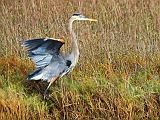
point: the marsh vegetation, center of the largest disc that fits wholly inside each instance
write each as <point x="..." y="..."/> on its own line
<point x="118" y="74"/>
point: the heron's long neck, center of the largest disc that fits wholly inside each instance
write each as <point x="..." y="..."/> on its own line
<point x="74" y="45"/>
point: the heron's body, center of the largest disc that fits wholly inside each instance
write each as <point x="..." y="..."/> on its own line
<point x="51" y="64"/>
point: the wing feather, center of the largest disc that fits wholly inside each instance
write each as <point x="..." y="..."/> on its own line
<point x="42" y="50"/>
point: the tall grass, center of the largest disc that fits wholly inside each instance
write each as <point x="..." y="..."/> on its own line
<point x="118" y="74"/>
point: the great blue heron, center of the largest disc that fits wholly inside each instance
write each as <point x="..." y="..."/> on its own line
<point x="50" y="63"/>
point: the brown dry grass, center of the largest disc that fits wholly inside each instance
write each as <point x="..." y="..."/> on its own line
<point x="117" y="77"/>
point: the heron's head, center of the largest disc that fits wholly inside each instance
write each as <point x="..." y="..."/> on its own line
<point x="78" y="16"/>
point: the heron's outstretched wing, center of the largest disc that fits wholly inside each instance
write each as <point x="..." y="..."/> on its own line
<point x="43" y="50"/>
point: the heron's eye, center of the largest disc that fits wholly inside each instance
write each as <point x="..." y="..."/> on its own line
<point x="81" y="16"/>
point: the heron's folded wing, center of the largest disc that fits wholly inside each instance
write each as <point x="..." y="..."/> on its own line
<point x="43" y="50"/>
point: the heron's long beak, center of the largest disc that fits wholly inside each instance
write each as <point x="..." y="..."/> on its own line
<point x="94" y="20"/>
<point x="89" y="19"/>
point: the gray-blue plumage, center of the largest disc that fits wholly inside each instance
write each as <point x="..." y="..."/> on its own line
<point x="45" y="52"/>
<point x="49" y="61"/>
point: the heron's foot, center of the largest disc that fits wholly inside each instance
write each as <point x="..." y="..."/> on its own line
<point x="46" y="95"/>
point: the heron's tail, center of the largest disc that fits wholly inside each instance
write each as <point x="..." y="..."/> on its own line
<point x="36" y="75"/>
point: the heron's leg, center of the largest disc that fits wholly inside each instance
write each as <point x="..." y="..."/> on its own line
<point x="51" y="81"/>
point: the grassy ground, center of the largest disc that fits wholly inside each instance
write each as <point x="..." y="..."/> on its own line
<point x="118" y="74"/>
